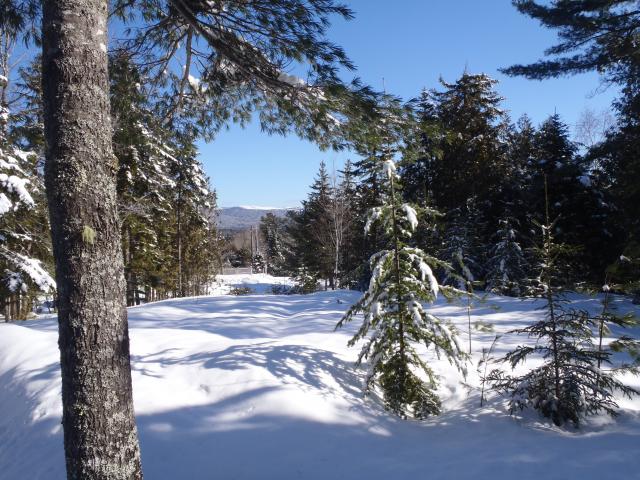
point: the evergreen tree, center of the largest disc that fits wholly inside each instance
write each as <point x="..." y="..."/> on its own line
<point x="234" y="61"/>
<point x="258" y="264"/>
<point x="598" y="35"/>
<point x="420" y="162"/>
<point x="191" y="202"/>
<point x="507" y="265"/>
<point x="394" y="316"/>
<point x="320" y="259"/>
<point x="570" y="383"/>
<point x="582" y="220"/>
<point x="616" y="165"/>
<point x="426" y="142"/>
<point x="512" y="197"/>
<point x="25" y="255"/>
<point x="348" y="257"/>
<point x="463" y="248"/>
<point x="143" y="180"/>
<point x="474" y="142"/>
<point x="273" y="231"/>
<point x="310" y="231"/>
<point x="368" y="134"/>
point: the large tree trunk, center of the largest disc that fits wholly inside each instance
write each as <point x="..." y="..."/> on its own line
<point x="100" y="436"/>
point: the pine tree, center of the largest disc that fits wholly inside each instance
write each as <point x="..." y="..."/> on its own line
<point x="570" y="383"/>
<point x="234" y="61"/>
<point x="258" y="264"/>
<point x="425" y="146"/>
<point x="595" y="35"/>
<point x="512" y="197"/>
<point x="418" y="169"/>
<point x="191" y="204"/>
<point x="599" y="36"/>
<point x="143" y="179"/>
<point x="318" y="206"/>
<point x="394" y="316"/>
<point x="311" y="231"/>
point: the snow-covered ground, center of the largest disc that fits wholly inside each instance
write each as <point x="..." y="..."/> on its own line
<point x="257" y="283"/>
<point x="261" y="387"/>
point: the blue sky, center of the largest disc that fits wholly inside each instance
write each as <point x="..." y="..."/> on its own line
<point x="411" y="43"/>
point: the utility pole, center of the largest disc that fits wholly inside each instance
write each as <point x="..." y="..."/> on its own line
<point x="251" y="241"/>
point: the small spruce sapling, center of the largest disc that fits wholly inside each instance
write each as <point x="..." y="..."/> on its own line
<point x="483" y="365"/>
<point x="569" y="384"/>
<point x="395" y="318"/>
<point x="607" y="318"/>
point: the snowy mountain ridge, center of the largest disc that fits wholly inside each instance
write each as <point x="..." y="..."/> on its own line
<point x="244" y="217"/>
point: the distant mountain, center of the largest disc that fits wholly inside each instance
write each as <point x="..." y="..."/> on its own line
<point x="242" y="218"/>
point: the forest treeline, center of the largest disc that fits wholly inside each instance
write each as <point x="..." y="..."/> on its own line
<point x="462" y="155"/>
<point x="166" y="204"/>
<point x="459" y="153"/>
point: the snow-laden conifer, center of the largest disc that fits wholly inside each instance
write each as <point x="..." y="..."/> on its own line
<point x="394" y="311"/>
<point x="20" y="270"/>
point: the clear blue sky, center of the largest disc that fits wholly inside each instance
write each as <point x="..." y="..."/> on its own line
<point x="411" y="43"/>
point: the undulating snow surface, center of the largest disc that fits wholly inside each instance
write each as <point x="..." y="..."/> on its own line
<point x="261" y="387"/>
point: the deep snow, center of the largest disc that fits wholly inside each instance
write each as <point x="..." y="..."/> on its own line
<point x="261" y="387"/>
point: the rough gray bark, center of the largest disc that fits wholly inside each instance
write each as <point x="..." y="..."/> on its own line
<point x="100" y="436"/>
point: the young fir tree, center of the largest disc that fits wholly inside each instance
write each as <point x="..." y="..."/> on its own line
<point x="368" y="135"/>
<point x="394" y="316"/>
<point x="570" y="383"/>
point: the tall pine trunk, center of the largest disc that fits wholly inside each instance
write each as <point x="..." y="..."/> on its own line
<point x="100" y="436"/>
